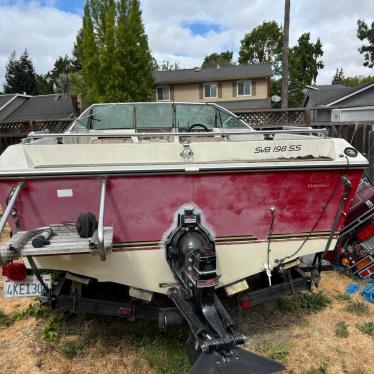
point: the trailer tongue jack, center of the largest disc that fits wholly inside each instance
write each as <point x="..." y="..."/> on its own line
<point x="212" y="346"/>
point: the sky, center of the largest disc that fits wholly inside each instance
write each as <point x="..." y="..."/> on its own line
<point x="186" y="31"/>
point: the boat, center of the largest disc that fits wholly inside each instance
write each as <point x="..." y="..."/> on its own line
<point x="179" y="202"/>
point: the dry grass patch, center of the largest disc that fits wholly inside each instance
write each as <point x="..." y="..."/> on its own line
<point x="305" y="342"/>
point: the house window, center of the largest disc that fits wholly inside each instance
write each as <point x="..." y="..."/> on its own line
<point x="163" y="93"/>
<point x="244" y="88"/>
<point x="210" y="90"/>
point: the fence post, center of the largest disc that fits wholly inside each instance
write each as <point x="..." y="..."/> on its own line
<point x="307" y="116"/>
<point x="370" y="155"/>
<point x="31" y="126"/>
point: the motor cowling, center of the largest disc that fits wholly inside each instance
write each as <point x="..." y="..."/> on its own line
<point x="190" y="252"/>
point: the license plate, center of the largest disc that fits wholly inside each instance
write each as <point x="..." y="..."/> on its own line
<point x="30" y="287"/>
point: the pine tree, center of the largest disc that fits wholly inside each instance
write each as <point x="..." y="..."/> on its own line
<point x="121" y="92"/>
<point x="139" y="62"/>
<point x="338" y="78"/>
<point x="88" y="52"/>
<point x="44" y="84"/>
<point x="20" y="75"/>
<point x="108" y="47"/>
<point x="112" y="49"/>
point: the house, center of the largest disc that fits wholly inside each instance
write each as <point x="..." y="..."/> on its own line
<point x="237" y="88"/>
<point x="24" y="108"/>
<point x="338" y="103"/>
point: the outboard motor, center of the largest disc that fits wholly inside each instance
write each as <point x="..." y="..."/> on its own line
<point x="212" y="346"/>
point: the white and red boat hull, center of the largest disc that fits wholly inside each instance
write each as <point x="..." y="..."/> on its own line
<point x="236" y="207"/>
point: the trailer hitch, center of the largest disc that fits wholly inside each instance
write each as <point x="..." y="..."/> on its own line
<point x="213" y="344"/>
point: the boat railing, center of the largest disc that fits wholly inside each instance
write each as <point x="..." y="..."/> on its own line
<point x="103" y="134"/>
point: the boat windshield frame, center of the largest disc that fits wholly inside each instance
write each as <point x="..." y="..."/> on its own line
<point x="85" y="121"/>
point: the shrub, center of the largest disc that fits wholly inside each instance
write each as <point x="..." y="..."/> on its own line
<point x="341" y="329"/>
<point x="53" y="327"/>
<point x="366" y="328"/>
<point x="313" y="302"/>
<point x="71" y="348"/>
<point x="289" y="305"/>
<point x="356" y="307"/>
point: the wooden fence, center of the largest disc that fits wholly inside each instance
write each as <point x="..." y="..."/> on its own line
<point x="14" y="132"/>
<point x="263" y="118"/>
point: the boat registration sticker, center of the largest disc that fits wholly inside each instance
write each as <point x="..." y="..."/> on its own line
<point x="65" y="193"/>
<point x="30" y="287"/>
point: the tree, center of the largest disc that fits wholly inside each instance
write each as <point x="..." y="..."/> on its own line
<point x="139" y="61"/>
<point x="20" y="75"/>
<point x="60" y="75"/>
<point x="363" y="33"/>
<point x="88" y="52"/>
<point x="218" y="59"/>
<point x="263" y="44"/>
<point x="305" y="62"/>
<point x="338" y="78"/>
<point x="63" y="65"/>
<point x="44" y="84"/>
<point x="167" y="66"/>
<point x="112" y="50"/>
<point x="358" y="80"/>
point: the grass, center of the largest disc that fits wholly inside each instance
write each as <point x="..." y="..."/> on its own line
<point x="343" y="297"/>
<point x="277" y="352"/>
<point x="322" y="369"/>
<point x="52" y="329"/>
<point x="341" y="329"/>
<point x="5" y="320"/>
<point x="356" y="307"/>
<point x="313" y="302"/>
<point x="289" y="305"/>
<point x="33" y="310"/>
<point x="366" y="328"/>
<point x="162" y="349"/>
<point x="72" y="348"/>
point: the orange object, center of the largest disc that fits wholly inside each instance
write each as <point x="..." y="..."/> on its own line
<point x="345" y="262"/>
<point x="361" y="264"/>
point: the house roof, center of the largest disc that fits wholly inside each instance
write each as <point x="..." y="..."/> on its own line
<point x="4" y="99"/>
<point x="243" y="105"/>
<point x="44" y="107"/>
<point x="326" y="95"/>
<point x="212" y="74"/>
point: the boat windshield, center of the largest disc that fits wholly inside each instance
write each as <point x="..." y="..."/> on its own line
<point x="160" y="116"/>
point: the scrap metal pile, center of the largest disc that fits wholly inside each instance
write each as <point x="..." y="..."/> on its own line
<point x="355" y="248"/>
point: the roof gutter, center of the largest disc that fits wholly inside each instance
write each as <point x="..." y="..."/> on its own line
<point x="213" y="79"/>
